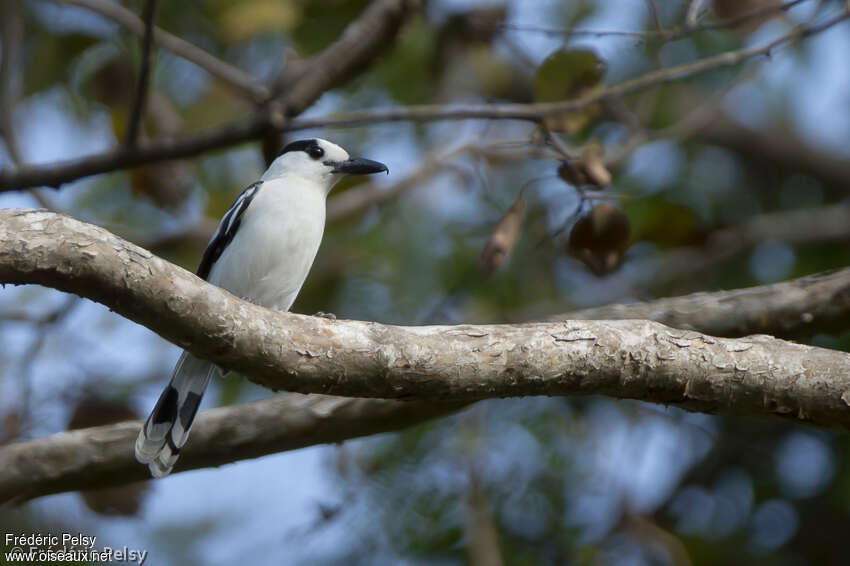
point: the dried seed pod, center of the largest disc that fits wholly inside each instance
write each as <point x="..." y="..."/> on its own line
<point x="572" y="173"/>
<point x="593" y="161"/>
<point x="599" y="238"/>
<point x="503" y="238"/>
<point x="589" y="169"/>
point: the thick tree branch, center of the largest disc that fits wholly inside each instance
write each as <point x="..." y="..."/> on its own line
<point x="629" y="359"/>
<point x="360" y="43"/>
<point x="818" y="303"/>
<point x="276" y="120"/>
<point x="103" y="456"/>
<point x="222" y="70"/>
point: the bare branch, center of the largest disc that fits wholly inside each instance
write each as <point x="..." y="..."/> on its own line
<point x="232" y="76"/>
<point x="360" y="198"/>
<point x="138" y="107"/>
<point x="265" y="122"/>
<point x="628" y="359"/>
<point x="347" y="58"/>
<point x="11" y="36"/>
<point x="818" y="303"/>
<point x="653" y="10"/>
<point x="779" y="148"/>
<point x="163" y="149"/>
<point x="103" y="456"/>
<point x="360" y="43"/>
<point x="537" y="111"/>
<point x="668" y="34"/>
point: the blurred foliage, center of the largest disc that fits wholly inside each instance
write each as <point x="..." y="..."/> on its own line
<point x="567" y="74"/>
<point x="577" y="481"/>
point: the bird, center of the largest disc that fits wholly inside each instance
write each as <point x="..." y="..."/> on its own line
<point x="262" y="252"/>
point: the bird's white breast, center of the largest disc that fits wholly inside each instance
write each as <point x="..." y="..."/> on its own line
<point x="274" y="248"/>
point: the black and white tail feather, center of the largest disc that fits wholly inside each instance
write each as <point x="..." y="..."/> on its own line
<point x="262" y="251"/>
<point x="167" y="428"/>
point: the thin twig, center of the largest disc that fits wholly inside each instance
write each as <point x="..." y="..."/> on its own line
<point x="138" y="108"/>
<point x="11" y="36"/>
<point x="560" y="146"/>
<point x="44" y="326"/>
<point x="668" y="34"/>
<point x="692" y="13"/>
<point x="653" y="10"/>
<point x="264" y="122"/>
<point x="232" y="76"/>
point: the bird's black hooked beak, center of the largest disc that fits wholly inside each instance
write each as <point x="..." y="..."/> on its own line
<point x="359" y="166"/>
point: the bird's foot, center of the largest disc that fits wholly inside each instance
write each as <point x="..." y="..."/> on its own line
<point x="327" y="315"/>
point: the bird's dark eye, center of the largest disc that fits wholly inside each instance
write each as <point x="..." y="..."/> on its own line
<point x="315" y="152"/>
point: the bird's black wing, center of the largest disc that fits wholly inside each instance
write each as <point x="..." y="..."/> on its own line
<point x="226" y="230"/>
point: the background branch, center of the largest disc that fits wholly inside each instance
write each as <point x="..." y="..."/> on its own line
<point x="666" y="34"/>
<point x="818" y="303"/>
<point x="138" y="107"/>
<point x="103" y="456"/>
<point x="779" y="150"/>
<point x="275" y="120"/>
<point x="797" y="227"/>
<point x="232" y="76"/>
<point x="361" y="42"/>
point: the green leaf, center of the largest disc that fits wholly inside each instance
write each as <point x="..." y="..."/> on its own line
<point x="567" y="74"/>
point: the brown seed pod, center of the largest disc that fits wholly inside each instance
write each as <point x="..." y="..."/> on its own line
<point x="503" y="238"/>
<point x="589" y="169"/>
<point x="599" y="238"/>
<point x="572" y="173"/>
<point x="593" y="160"/>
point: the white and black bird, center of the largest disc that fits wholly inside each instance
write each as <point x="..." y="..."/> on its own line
<point x="262" y="251"/>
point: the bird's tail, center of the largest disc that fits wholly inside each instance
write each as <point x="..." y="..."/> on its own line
<point x="167" y="428"/>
